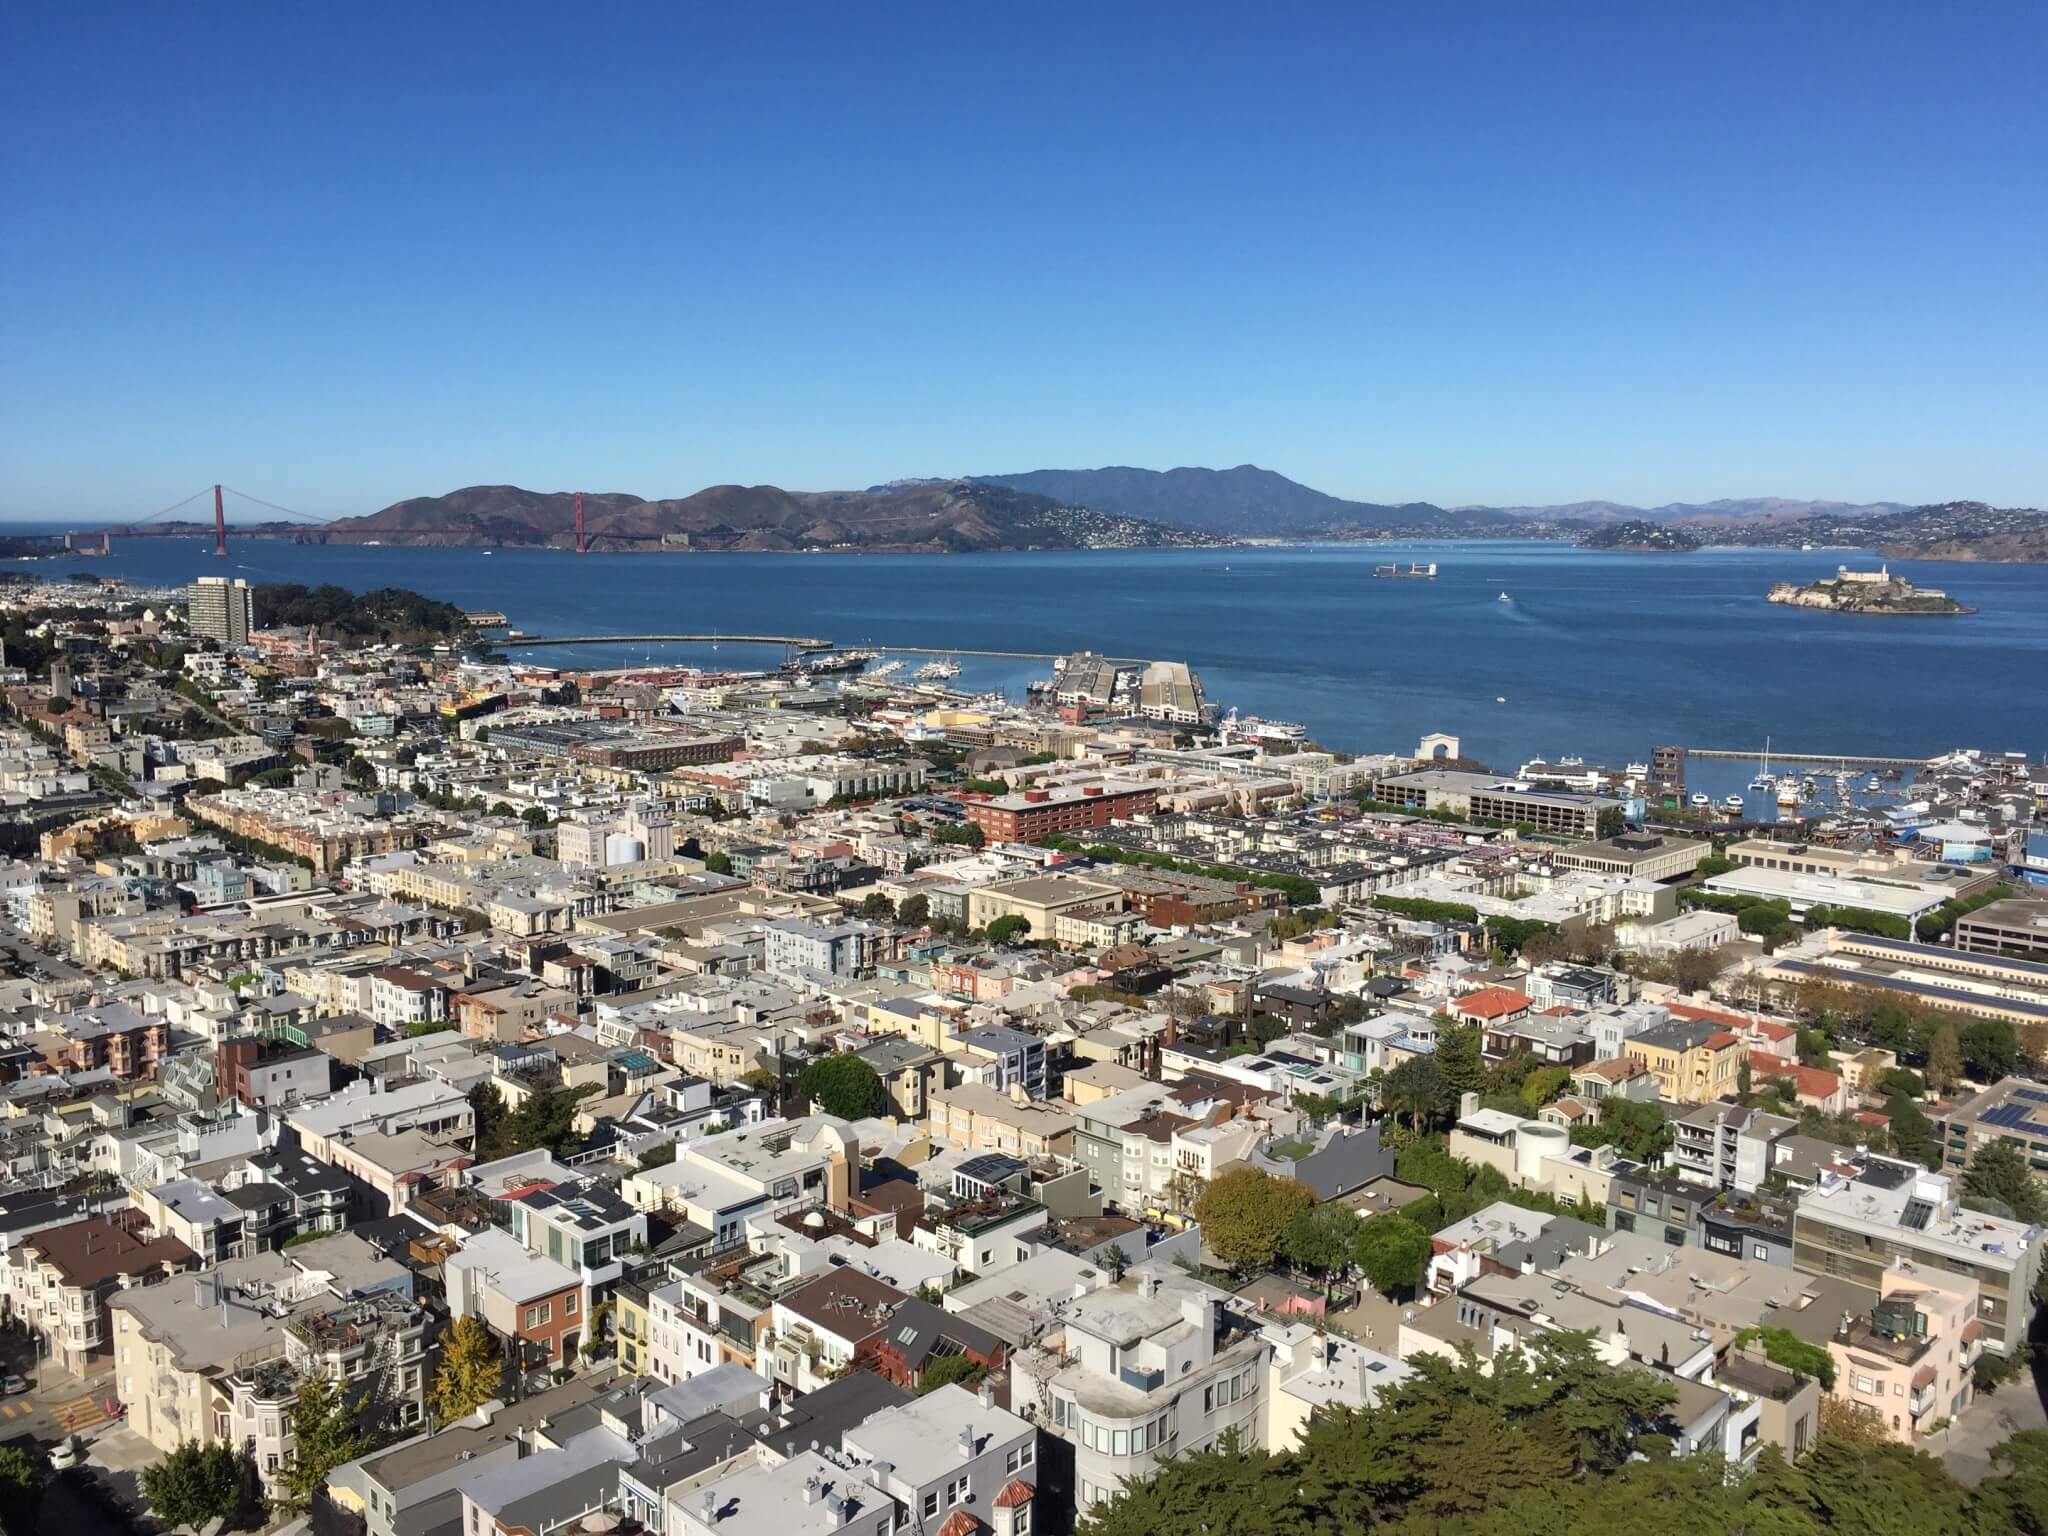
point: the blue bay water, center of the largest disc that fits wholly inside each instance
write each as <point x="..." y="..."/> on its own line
<point x="1599" y="654"/>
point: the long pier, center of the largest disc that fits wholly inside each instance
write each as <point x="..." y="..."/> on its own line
<point x="800" y="642"/>
<point x="1847" y="759"/>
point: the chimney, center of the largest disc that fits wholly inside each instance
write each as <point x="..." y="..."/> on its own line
<point x="967" y="1439"/>
<point x="810" y="1490"/>
<point x="988" y="1393"/>
<point x="710" y="1506"/>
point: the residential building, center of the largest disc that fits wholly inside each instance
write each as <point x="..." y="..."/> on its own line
<point x="1152" y="1366"/>
<point x="953" y="1462"/>
<point x="1909" y="1359"/>
<point x="222" y="610"/>
<point x="1859" y="1227"/>
<point x="1693" y="1062"/>
<point x="63" y="1277"/>
<point x="1025" y="816"/>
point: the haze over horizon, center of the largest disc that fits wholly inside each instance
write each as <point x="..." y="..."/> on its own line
<point x="1473" y="259"/>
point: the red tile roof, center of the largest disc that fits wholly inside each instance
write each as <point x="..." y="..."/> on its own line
<point x="960" y="1523"/>
<point x="1492" y="1003"/>
<point x="1016" y="1491"/>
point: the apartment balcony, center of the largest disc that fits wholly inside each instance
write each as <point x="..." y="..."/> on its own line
<point x="1921" y="1402"/>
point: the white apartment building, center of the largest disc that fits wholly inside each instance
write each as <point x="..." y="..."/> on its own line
<point x="1150" y="1367"/>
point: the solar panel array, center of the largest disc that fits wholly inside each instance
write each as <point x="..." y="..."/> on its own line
<point x="2007" y="1115"/>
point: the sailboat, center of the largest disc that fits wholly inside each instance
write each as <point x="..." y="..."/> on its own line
<point x="1763" y="782"/>
<point x="1505" y="598"/>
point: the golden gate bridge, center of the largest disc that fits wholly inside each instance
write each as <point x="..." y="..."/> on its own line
<point x="155" y="526"/>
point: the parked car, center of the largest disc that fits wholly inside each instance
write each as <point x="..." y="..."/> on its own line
<point x="9" y="1385"/>
<point x="65" y="1454"/>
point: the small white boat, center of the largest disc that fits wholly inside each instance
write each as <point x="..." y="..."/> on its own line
<point x="1733" y="802"/>
<point x="1500" y="698"/>
<point x="1505" y="598"/>
<point x="1702" y="801"/>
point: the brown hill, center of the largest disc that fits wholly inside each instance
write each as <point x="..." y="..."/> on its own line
<point x="926" y="516"/>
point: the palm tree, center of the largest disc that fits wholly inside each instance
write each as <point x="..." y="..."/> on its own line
<point x="1416" y="1089"/>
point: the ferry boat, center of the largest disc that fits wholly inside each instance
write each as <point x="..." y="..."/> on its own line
<point x="831" y="663"/>
<point x="1700" y="801"/>
<point x="1635" y="770"/>
<point x="1252" y="728"/>
<point x="1733" y="802"/>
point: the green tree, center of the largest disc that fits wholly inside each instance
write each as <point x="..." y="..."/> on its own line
<point x="844" y="1086"/>
<point x="948" y="1370"/>
<point x="194" y="1484"/>
<point x="1543" y="1085"/>
<point x="1902" y="1080"/>
<point x="472" y="1370"/>
<point x="2015" y="1497"/>
<point x="1999" y="1172"/>
<point x="1417" y="1089"/>
<point x="1612" y="823"/>
<point x="1991" y="1049"/>
<point x="915" y="912"/>
<point x="493" y="1137"/>
<point x="1460" y="1057"/>
<point x="21" y="1481"/>
<point x="1245" y="1212"/>
<point x="1636" y="1127"/>
<point x="660" y="1155"/>
<point x="1944" y="1059"/>
<point x="1393" y="1251"/>
<point x="1321" y="1239"/>
<point x="718" y="862"/>
<point x="1911" y="1133"/>
<point x="877" y="907"/>
<point x="1010" y="926"/>
<point x="546" y="1117"/>
<point x="325" y="1433"/>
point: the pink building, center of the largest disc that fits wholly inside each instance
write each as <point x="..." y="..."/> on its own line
<point x="1909" y="1361"/>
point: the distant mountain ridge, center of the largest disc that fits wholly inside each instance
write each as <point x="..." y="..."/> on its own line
<point x="1121" y="507"/>
<point x="1244" y="501"/>
<point x="1727" y="510"/>
<point x="927" y="517"/>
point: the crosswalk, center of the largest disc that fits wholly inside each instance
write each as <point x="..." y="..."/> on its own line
<point x="14" y="1408"/>
<point x="79" y="1413"/>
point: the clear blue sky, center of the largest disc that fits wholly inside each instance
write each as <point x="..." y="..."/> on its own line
<point x="338" y="255"/>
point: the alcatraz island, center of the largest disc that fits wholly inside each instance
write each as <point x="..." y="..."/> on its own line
<point x="1875" y="591"/>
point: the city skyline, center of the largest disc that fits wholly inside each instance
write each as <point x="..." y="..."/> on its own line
<point x="1471" y="259"/>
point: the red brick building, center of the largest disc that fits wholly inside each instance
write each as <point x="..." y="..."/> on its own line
<point x="1031" y="814"/>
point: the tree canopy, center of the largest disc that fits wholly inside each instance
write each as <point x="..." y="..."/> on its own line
<point x="1245" y="1213"/>
<point x="1554" y="1443"/>
<point x="1393" y="1251"/>
<point x="844" y="1086"/>
<point x="1999" y="1172"/>
<point x="194" y="1484"/>
<point x="472" y="1370"/>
